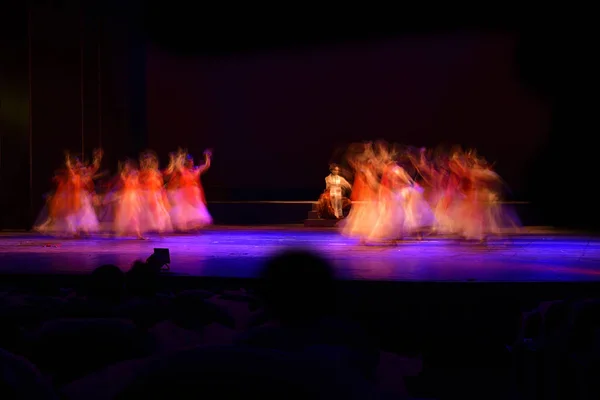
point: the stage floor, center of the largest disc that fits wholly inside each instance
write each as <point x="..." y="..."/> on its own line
<point x="238" y="252"/>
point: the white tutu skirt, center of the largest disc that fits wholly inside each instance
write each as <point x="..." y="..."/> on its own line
<point x="185" y="214"/>
<point x="154" y="216"/>
<point x="82" y="221"/>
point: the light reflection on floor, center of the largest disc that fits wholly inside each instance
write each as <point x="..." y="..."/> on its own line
<point x="239" y="252"/>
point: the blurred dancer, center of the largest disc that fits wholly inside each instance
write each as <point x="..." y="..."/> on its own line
<point x="128" y="212"/>
<point x="189" y="210"/>
<point x="154" y="202"/>
<point x="55" y="216"/>
<point x="419" y="218"/>
<point x="365" y="211"/>
<point x="482" y="214"/>
<point x="390" y="225"/>
<point x="418" y="215"/>
<point x="390" y="221"/>
<point x="445" y="192"/>
<point x="70" y="211"/>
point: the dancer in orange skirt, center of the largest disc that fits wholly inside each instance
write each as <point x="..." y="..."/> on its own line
<point x="365" y="192"/>
<point x="390" y="225"/>
<point x="189" y="210"/>
<point x="482" y="214"/>
<point x="155" y="204"/>
<point x="69" y="211"/>
<point x="128" y="212"/>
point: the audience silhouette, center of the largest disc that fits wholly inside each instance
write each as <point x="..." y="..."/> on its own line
<point x="133" y="335"/>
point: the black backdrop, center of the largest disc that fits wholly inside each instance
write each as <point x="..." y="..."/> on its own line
<point x="84" y="88"/>
<point x="277" y="100"/>
<point x="277" y="118"/>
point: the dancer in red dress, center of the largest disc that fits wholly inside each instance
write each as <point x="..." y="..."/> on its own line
<point x="189" y="210"/>
<point x="155" y="203"/>
<point x="69" y="211"/>
<point x="365" y="192"/>
<point x="128" y="213"/>
<point x="391" y="215"/>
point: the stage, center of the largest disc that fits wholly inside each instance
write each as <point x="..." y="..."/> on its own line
<point x="536" y="255"/>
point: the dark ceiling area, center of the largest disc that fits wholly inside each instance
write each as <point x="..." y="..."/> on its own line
<point x="185" y="31"/>
<point x="189" y="30"/>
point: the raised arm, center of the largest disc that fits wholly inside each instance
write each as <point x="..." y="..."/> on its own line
<point x="421" y="164"/>
<point x="98" y="153"/>
<point x="171" y="167"/>
<point x="403" y="175"/>
<point x="207" y="156"/>
<point x="457" y="165"/>
<point x="69" y="165"/>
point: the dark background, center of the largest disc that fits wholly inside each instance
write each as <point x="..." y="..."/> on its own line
<point x="283" y="114"/>
<point x="278" y="98"/>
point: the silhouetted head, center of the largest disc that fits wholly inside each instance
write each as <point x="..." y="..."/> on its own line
<point x="189" y="161"/>
<point x="148" y="160"/>
<point x="128" y="167"/>
<point x="107" y="282"/>
<point x="142" y="279"/>
<point x="298" y="287"/>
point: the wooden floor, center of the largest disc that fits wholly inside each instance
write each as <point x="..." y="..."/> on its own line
<point x="536" y="255"/>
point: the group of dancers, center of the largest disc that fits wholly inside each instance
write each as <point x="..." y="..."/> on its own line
<point x="141" y="198"/>
<point x="397" y="194"/>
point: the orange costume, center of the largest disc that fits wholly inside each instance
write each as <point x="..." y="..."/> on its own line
<point x="69" y="210"/>
<point x="129" y="206"/>
<point x="189" y="210"/>
<point x="364" y="212"/>
<point x="155" y="203"/>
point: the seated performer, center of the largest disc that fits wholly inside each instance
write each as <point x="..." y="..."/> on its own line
<point x="332" y="202"/>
